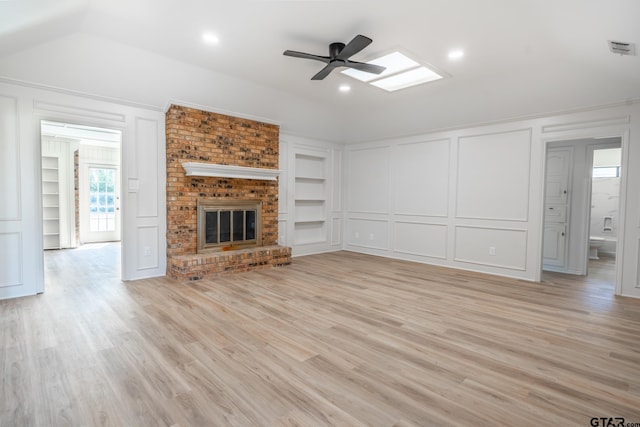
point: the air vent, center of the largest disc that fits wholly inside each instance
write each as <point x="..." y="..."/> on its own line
<point x="622" y="48"/>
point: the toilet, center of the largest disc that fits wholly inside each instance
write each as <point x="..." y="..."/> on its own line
<point x="594" y="245"/>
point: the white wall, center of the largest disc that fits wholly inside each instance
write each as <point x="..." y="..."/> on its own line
<point x="473" y="198"/>
<point x="21" y="109"/>
<point x="445" y="199"/>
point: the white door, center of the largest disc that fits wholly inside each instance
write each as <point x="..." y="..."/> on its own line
<point x="100" y="218"/>
<point x="556" y="209"/>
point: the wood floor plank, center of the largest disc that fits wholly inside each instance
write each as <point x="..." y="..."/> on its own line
<point x="338" y="339"/>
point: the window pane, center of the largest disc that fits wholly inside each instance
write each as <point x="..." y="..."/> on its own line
<point x="250" y="225"/>
<point x="238" y="226"/>
<point x="606" y="172"/>
<point x="102" y="199"/>
<point x="211" y="227"/>
<point x="225" y="226"/>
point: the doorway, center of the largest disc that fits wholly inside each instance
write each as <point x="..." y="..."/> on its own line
<point x="573" y="232"/>
<point x="80" y="186"/>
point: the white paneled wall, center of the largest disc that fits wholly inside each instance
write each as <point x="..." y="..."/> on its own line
<point x="10" y="209"/>
<point x="369" y="180"/>
<point x="425" y="172"/>
<point x="18" y="275"/>
<point x="473" y="198"/>
<point x="461" y="200"/>
<point x="493" y="176"/>
<point x="22" y="108"/>
<point x="491" y="246"/>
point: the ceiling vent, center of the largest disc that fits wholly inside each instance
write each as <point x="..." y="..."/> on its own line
<point x="622" y="48"/>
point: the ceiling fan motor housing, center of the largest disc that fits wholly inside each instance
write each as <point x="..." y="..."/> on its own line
<point x="335" y="49"/>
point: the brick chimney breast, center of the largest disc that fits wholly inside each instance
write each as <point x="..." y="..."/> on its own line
<point x="201" y="136"/>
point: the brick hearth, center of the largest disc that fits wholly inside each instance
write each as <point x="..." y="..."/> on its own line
<point x="200" y="136"/>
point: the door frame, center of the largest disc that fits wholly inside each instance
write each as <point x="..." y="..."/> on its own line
<point x="590" y="149"/>
<point x="75" y="119"/>
<point x="623" y="136"/>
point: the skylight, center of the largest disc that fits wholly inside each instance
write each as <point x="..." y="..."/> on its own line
<point x="401" y="72"/>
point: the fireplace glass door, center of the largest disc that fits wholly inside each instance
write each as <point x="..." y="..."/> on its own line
<point x="227" y="225"/>
<point x="230" y="226"/>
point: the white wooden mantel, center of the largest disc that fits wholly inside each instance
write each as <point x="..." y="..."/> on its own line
<point x="227" y="171"/>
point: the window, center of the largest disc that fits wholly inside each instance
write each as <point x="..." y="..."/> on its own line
<point x="606" y="172"/>
<point x="102" y="215"/>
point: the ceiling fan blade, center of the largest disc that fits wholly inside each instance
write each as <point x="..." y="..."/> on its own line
<point x="362" y="66"/>
<point x="295" y="54"/>
<point x="324" y="72"/>
<point x="358" y="43"/>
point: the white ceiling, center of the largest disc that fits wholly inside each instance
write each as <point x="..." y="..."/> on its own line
<point x="522" y="57"/>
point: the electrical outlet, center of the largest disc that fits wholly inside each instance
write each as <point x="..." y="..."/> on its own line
<point x="492" y="250"/>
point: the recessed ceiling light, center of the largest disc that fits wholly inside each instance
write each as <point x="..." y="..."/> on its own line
<point x="401" y="72"/>
<point x="210" y="38"/>
<point x="344" y="88"/>
<point x="456" y="54"/>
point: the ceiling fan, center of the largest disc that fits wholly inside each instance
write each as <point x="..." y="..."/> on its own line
<point x="339" y="55"/>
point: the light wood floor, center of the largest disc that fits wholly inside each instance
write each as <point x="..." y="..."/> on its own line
<point x="334" y="339"/>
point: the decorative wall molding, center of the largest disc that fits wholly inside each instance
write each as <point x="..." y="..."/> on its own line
<point x="611" y="121"/>
<point x="148" y="140"/>
<point x="11" y="210"/>
<point x="474" y="141"/>
<point x="438" y="248"/>
<point x="494" y="238"/>
<point x="75" y="111"/>
<point x="11" y="250"/>
<point x="86" y="95"/>
<point x="227" y="171"/>
<point x="147" y="238"/>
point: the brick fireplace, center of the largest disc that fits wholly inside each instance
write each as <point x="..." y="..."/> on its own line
<point x="206" y="138"/>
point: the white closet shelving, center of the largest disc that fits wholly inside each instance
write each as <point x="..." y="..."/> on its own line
<point x="51" y="202"/>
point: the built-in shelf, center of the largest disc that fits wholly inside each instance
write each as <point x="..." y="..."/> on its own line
<point x="310" y="202"/>
<point x="50" y="202"/>
<point x="228" y="171"/>
<point x="309" y="178"/>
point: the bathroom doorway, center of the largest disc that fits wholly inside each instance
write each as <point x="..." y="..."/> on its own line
<point x="604" y="212"/>
<point x="581" y="212"/>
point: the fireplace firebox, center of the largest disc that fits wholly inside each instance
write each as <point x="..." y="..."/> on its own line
<point x="228" y="224"/>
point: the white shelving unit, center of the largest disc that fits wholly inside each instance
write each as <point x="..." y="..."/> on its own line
<point x="51" y="202"/>
<point x="310" y="199"/>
